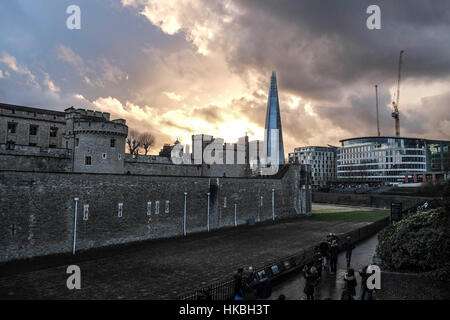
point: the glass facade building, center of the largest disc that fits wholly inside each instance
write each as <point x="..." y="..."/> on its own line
<point x="391" y="159"/>
<point x="322" y="161"/>
<point x="273" y="121"/>
<point x="438" y="155"/>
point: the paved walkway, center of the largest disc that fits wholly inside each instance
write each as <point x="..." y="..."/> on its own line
<point x="164" y="269"/>
<point x="331" y="286"/>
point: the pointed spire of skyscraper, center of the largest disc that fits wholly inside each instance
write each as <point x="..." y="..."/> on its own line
<point x="273" y="121"/>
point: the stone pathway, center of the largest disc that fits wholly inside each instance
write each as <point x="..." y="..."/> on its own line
<point x="164" y="269"/>
<point x="330" y="286"/>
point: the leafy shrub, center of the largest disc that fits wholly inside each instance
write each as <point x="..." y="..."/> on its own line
<point x="419" y="242"/>
<point x="432" y="189"/>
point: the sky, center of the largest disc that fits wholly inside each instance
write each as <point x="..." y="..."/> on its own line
<point x="181" y="67"/>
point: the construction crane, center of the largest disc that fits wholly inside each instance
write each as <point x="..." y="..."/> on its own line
<point x="376" y="100"/>
<point x="395" y="113"/>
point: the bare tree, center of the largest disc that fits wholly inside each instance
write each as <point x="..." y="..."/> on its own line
<point x="146" y="140"/>
<point x="133" y="142"/>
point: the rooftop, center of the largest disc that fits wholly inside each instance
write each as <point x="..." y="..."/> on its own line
<point x="32" y="110"/>
<point x="392" y="137"/>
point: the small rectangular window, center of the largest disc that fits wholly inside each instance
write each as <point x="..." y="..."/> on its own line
<point x="120" y="156"/>
<point x="52" y="145"/>
<point x="86" y="212"/>
<point x="88" y="160"/>
<point x="12" y="127"/>
<point x="113" y="143"/>
<point x="120" y="210"/>
<point x="149" y="208"/>
<point x="77" y="142"/>
<point x="33" y="130"/>
<point x="53" y="132"/>
<point x="157" y="207"/>
<point x="104" y="155"/>
<point x="225" y="202"/>
<point x="167" y="209"/>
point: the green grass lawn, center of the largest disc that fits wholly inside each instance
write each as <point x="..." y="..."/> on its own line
<point x="366" y="215"/>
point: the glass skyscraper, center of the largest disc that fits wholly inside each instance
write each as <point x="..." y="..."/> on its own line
<point x="273" y="121"/>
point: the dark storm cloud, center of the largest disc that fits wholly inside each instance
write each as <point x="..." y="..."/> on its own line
<point x="321" y="47"/>
<point x="168" y="68"/>
<point x="359" y="117"/>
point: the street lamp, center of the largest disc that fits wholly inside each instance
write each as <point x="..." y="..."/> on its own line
<point x="184" y="219"/>
<point x="209" y="195"/>
<point x="273" y="204"/>
<point x="75" y="225"/>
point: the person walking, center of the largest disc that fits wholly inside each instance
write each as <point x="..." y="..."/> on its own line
<point x="348" y="247"/>
<point x="350" y="282"/>
<point x="249" y="284"/>
<point x="365" y="291"/>
<point x="317" y="258"/>
<point x="334" y="252"/>
<point x="238" y="292"/>
<point x="311" y="281"/>
<point x="325" y="251"/>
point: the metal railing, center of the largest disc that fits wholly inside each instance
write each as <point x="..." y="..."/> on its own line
<point x="219" y="290"/>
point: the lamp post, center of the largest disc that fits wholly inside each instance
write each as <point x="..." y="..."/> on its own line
<point x="209" y="195"/>
<point x="184" y="219"/>
<point x="273" y="204"/>
<point x="75" y="226"/>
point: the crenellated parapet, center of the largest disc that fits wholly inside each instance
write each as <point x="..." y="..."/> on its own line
<point x="107" y="127"/>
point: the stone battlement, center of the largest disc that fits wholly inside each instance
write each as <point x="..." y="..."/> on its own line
<point x="102" y="127"/>
<point x="80" y="113"/>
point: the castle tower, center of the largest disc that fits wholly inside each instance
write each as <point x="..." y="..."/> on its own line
<point x="97" y="143"/>
<point x="273" y="121"/>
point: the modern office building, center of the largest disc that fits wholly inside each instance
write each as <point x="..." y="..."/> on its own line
<point x="322" y="161"/>
<point x="273" y="123"/>
<point x="392" y="159"/>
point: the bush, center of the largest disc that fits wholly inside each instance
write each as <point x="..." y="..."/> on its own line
<point x="419" y="242"/>
<point x="432" y="189"/>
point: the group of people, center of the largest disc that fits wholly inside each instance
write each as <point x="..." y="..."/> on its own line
<point x="349" y="291"/>
<point x="325" y="258"/>
<point x="248" y="286"/>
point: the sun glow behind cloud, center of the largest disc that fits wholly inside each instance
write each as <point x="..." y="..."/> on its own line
<point x="178" y="68"/>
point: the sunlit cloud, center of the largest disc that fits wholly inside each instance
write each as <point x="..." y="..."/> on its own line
<point x="50" y="84"/>
<point x="294" y="101"/>
<point x="173" y="96"/>
<point x="11" y="62"/>
<point x="177" y="68"/>
<point x="200" y="23"/>
<point x="309" y="110"/>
